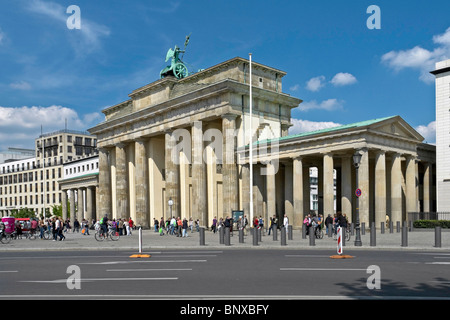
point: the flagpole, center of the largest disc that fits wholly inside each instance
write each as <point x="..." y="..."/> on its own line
<point x="251" y="141"/>
<point x="43" y="171"/>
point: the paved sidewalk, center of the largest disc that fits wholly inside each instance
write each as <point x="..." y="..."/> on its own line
<point x="416" y="240"/>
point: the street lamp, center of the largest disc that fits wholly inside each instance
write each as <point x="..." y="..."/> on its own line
<point x="356" y="161"/>
<point x="170" y="206"/>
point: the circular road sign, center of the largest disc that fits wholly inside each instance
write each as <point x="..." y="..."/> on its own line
<point x="358" y="192"/>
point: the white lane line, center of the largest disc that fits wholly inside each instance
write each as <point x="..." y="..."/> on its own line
<point x="306" y="256"/>
<point x="10" y="271"/>
<point x="437" y="262"/>
<point x="142" y="261"/>
<point x="137" y="270"/>
<point x="99" y="279"/>
<point x="319" y="269"/>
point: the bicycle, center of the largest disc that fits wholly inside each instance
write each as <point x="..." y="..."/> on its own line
<point x="112" y="234"/>
<point x="5" y="237"/>
<point x="348" y="234"/>
<point x="318" y="232"/>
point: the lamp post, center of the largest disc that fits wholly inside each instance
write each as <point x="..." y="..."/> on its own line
<point x="356" y="161"/>
<point x="170" y="206"/>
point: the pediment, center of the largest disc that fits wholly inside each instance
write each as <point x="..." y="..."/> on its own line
<point x="396" y="126"/>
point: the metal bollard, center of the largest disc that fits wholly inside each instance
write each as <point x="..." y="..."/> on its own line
<point x="373" y="235"/>
<point x="241" y="236"/>
<point x="290" y="233"/>
<point x="275" y="234"/>
<point x="255" y="237"/>
<point x="312" y="236"/>
<point x="382" y="227"/>
<point x="283" y="236"/>
<point x="259" y="232"/>
<point x="202" y="236"/>
<point x="344" y="232"/>
<point x="221" y="235"/>
<point x="391" y="227"/>
<point x="330" y="230"/>
<point x="398" y="226"/>
<point x="437" y="237"/>
<point x="304" y="231"/>
<point x="363" y="228"/>
<point x="404" y="236"/>
<point x="227" y="236"/>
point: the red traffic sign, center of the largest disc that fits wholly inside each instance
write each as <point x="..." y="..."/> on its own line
<point x="358" y="192"/>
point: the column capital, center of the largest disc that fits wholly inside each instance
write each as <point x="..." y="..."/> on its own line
<point x="229" y="116"/>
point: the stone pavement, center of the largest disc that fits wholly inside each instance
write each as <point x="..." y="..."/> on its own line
<point x="417" y="239"/>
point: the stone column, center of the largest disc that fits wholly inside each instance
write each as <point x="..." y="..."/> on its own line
<point x="199" y="198"/>
<point x="396" y="188"/>
<point x="229" y="169"/>
<point x="80" y="205"/>
<point x="346" y="186"/>
<point x="64" y="204"/>
<point x="328" y="185"/>
<point x="121" y="183"/>
<point x="363" y="176"/>
<point x="306" y="191"/>
<point x="72" y="205"/>
<point x="380" y="187"/>
<point x="89" y="203"/>
<point x="245" y="174"/>
<point x="427" y="180"/>
<point x="288" y="192"/>
<point x="141" y="182"/>
<point x="411" y="199"/>
<point x="172" y="175"/>
<point x="104" y="183"/>
<point x="270" y="190"/>
<point x="297" y="188"/>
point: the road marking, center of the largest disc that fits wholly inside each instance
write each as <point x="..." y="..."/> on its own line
<point x="437" y="262"/>
<point x="99" y="279"/>
<point x="131" y="270"/>
<point x="319" y="269"/>
<point x="9" y="271"/>
<point x="141" y="261"/>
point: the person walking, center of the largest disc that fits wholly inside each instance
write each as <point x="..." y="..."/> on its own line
<point x="185" y="227"/>
<point x="286" y="223"/>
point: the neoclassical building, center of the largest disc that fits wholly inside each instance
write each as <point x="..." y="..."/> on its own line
<point x="181" y="147"/>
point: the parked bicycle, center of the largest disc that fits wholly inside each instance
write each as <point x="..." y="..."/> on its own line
<point x="4" y="237"/>
<point x="348" y="234"/>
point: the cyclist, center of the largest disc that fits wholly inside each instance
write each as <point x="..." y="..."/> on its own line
<point x="340" y="221"/>
<point x="104" y="224"/>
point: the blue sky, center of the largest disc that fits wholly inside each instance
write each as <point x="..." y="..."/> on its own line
<point x="342" y="70"/>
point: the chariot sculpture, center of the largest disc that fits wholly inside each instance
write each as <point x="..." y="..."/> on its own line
<point x="177" y="67"/>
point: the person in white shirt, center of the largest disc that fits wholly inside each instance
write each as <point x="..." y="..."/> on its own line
<point x="286" y="223"/>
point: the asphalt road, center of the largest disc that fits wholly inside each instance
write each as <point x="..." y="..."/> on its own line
<point x="189" y="274"/>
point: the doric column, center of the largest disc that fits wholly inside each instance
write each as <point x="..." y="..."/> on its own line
<point x="229" y="169"/>
<point x="328" y="184"/>
<point x="411" y="198"/>
<point x="363" y="176"/>
<point x="346" y="187"/>
<point x="288" y="192"/>
<point x="245" y="176"/>
<point x="89" y="203"/>
<point x="172" y="175"/>
<point x="80" y="205"/>
<point x="396" y="188"/>
<point x="270" y="190"/>
<point x="427" y="179"/>
<point x="72" y="205"/>
<point x="297" y="189"/>
<point x="380" y="187"/>
<point x="199" y="199"/>
<point x="306" y="191"/>
<point x="64" y="204"/>
<point x="121" y="183"/>
<point x="104" y="183"/>
<point x="141" y="183"/>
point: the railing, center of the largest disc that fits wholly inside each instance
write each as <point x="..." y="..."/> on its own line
<point x="413" y="216"/>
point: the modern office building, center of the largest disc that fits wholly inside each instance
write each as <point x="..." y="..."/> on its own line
<point x="33" y="183"/>
<point x="442" y="74"/>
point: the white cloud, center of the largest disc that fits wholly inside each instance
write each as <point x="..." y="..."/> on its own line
<point x="328" y="105"/>
<point x="21" y="85"/>
<point x="315" y="84"/>
<point x="428" y="132"/>
<point x="419" y="58"/>
<point x="20" y="126"/>
<point x="301" y="126"/>
<point x="343" y="79"/>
